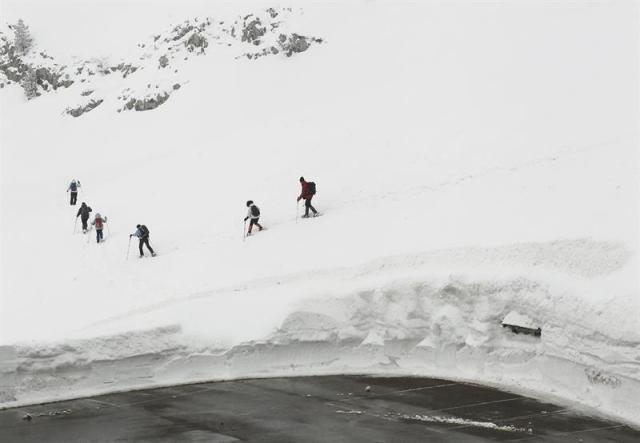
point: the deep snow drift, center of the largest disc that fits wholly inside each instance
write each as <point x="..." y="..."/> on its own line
<point x="472" y="160"/>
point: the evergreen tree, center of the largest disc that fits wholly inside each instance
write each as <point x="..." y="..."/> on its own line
<point x="30" y="84"/>
<point x="23" y="39"/>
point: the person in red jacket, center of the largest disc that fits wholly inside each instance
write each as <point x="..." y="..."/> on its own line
<point x="308" y="191"/>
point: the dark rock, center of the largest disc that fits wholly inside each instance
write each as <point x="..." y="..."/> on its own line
<point x="176" y="86"/>
<point x="253" y="31"/>
<point x="77" y="112"/>
<point x="163" y="61"/>
<point x="181" y="31"/>
<point x="197" y="40"/>
<point x="293" y="44"/>
<point x="148" y="104"/>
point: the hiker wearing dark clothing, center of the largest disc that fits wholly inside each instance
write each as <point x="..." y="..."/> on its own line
<point x="254" y="214"/>
<point x="99" y="222"/>
<point x="307" y="193"/>
<point x="73" y="189"/>
<point x="83" y="213"/>
<point x="143" y="235"/>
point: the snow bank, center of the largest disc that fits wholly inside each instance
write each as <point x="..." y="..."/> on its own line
<point x="472" y="160"/>
<point x="424" y="320"/>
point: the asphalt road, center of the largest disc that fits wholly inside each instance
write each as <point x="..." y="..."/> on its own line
<point x="310" y="409"/>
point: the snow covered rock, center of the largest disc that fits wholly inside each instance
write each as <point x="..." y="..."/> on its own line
<point x="78" y="111"/>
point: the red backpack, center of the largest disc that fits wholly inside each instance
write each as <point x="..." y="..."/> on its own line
<point x="98" y="221"/>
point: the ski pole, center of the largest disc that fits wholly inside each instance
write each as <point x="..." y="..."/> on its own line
<point x="108" y="230"/>
<point x="88" y="234"/>
<point x="75" y="225"/>
<point x="244" y="231"/>
<point x="297" y="209"/>
<point x="128" y="247"/>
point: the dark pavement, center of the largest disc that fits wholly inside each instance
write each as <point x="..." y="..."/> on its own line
<point x="310" y="409"/>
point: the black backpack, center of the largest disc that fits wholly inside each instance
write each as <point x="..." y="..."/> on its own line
<point x="74" y="187"/>
<point x="312" y="188"/>
<point x="255" y="211"/>
<point x="144" y="230"/>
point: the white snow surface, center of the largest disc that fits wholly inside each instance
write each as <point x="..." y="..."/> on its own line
<point x="472" y="159"/>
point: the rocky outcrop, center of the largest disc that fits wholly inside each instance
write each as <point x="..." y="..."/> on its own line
<point x="252" y="31"/>
<point x="49" y="78"/>
<point x="197" y="41"/>
<point x="77" y="112"/>
<point x="146" y="103"/>
<point x="125" y="68"/>
<point x="180" y="31"/>
<point x="296" y="43"/>
<point x="264" y="33"/>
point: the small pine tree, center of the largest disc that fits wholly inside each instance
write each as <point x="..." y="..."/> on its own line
<point x="30" y="84"/>
<point x="23" y="40"/>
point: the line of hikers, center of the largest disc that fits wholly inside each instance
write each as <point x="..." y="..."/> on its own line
<point x="100" y="221"/>
<point x="308" y="190"/>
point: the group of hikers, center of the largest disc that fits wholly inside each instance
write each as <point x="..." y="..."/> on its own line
<point x="308" y="190"/>
<point x="100" y="221"/>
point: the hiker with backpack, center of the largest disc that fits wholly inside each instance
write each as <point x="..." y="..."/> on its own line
<point x="308" y="191"/>
<point x="98" y="222"/>
<point x="83" y="213"/>
<point x="142" y="232"/>
<point x="73" y="189"/>
<point x="254" y="214"/>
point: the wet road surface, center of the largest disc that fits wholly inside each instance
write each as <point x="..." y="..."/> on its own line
<point x="310" y="409"/>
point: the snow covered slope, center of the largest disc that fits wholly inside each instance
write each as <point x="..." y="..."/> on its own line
<point x="472" y="159"/>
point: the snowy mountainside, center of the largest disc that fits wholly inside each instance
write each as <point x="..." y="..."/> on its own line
<point x="471" y="160"/>
<point x="158" y="63"/>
